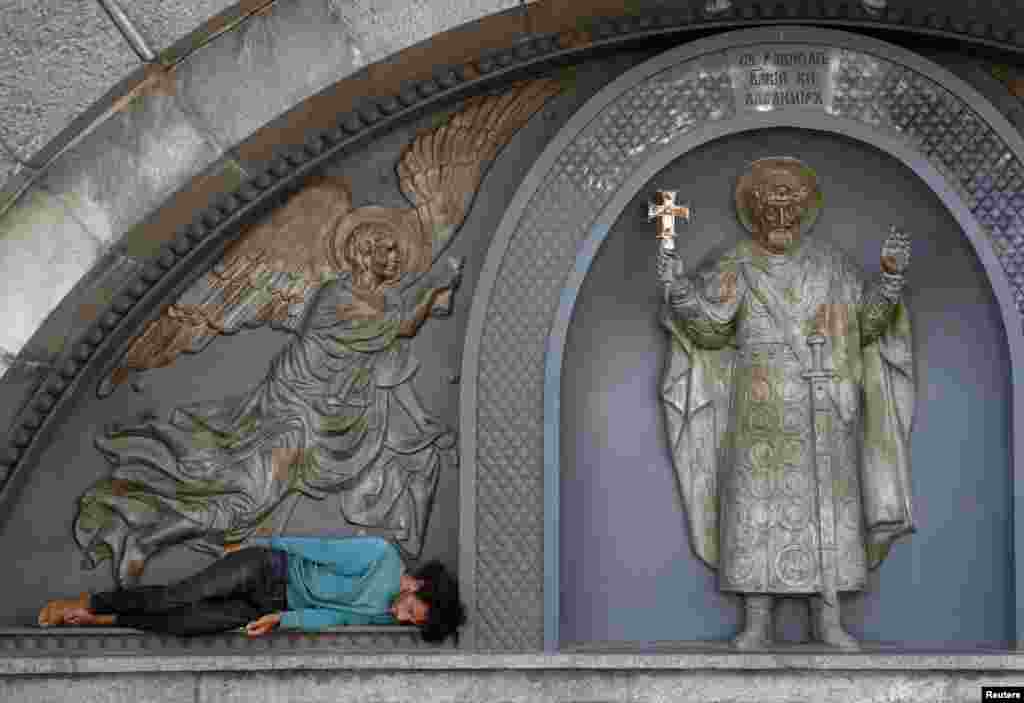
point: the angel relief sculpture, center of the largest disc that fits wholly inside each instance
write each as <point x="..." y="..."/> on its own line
<point x="353" y="286"/>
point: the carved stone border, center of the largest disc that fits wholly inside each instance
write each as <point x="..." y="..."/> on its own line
<point x="612" y="146"/>
<point x="201" y="243"/>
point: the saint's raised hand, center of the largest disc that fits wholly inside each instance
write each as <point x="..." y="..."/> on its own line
<point x="896" y="252"/>
<point x="264" y="625"/>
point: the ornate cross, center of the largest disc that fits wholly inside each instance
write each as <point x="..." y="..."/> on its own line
<point x="666" y="211"/>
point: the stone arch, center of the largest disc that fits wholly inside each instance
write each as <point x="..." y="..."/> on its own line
<point x="610" y="148"/>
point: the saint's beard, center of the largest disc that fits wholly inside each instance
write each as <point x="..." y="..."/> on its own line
<point x="779" y="241"/>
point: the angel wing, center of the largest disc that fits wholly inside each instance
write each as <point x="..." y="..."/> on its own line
<point x="440" y="172"/>
<point x="268" y="275"/>
<point x="271" y="273"/>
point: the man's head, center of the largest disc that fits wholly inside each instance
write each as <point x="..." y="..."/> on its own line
<point x="429" y="598"/>
<point x="774" y="198"/>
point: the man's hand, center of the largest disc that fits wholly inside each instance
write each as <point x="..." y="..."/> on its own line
<point x="264" y="625"/>
<point x="896" y="252"/>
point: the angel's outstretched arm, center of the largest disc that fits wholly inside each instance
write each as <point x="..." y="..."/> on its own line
<point x="430" y="295"/>
<point x="421" y="311"/>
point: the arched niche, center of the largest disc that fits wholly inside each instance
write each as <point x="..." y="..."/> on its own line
<point x="881" y="95"/>
<point x="624" y="536"/>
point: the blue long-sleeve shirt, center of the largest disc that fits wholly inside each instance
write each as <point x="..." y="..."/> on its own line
<point x="346" y="581"/>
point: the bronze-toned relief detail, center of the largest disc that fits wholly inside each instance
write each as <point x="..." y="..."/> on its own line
<point x="274" y="268"/>
<point x="337" y="412"/>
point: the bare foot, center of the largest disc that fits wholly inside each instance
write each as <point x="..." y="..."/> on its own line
<point x="54" y="612"/>
<point x="84" y="616"/>
<point x="79" y="616"/>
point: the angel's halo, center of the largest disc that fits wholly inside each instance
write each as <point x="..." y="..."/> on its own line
<point x="415" y="257"/>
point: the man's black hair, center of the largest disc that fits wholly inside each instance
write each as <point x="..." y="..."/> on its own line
<point x="440" y="592"/>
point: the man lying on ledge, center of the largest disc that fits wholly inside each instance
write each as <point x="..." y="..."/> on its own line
<point x="296" y="583"/>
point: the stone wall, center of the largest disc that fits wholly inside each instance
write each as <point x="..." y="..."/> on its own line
<point x="457" y="678"/>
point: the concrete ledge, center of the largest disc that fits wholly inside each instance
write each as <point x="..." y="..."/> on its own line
<point x="1009" y="662"/>
<point x="525" y="678"/>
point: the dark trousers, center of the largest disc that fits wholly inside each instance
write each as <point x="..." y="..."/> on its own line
<point x="232" y="592"/>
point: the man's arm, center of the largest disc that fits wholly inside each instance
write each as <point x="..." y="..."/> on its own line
<point x="307" y="620"/>
<point x="316" y="619"/>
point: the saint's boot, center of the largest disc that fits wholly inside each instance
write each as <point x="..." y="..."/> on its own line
<point x="826" y="627"/>
<point x="758" y="623"/>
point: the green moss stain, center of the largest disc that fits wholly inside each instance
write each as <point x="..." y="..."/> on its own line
<point x="54" y="343"/>
<point x="6" y="201"/>
<point x="306" y="470"/>
<point x="232" y="171"/>
<point x="139" y="242"/>
<point x="568" y="78"/>
<point x="208" y="437"/>
<point x="877" y="553"/>
<point x="368" y="336"/>
<point x="144" y="502"/>
<point x="790" y="452"/>
<point x="440" y="119"/>
<point x="442" y="233"/>
<point x="1000" y="71"/>
<point x="36" y="214"/>
<point x="94" y="515"/>
<point x="841" y="487"/>
<point x="711" y="544"/>
<point x="586" y="25"/>
<point x="343" y="423"/>
<point x="102" y="552"/>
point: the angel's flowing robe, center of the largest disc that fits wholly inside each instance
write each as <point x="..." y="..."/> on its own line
<point x="322" y="421"/>
<point x="739" y="416"/>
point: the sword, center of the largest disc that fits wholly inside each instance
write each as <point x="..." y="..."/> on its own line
<point x="823" y="418"/>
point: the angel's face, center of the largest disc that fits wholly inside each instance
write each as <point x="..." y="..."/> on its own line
<point x="386" y="263"/>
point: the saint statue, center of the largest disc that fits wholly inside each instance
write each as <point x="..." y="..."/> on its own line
<point x="789" y="397"/>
